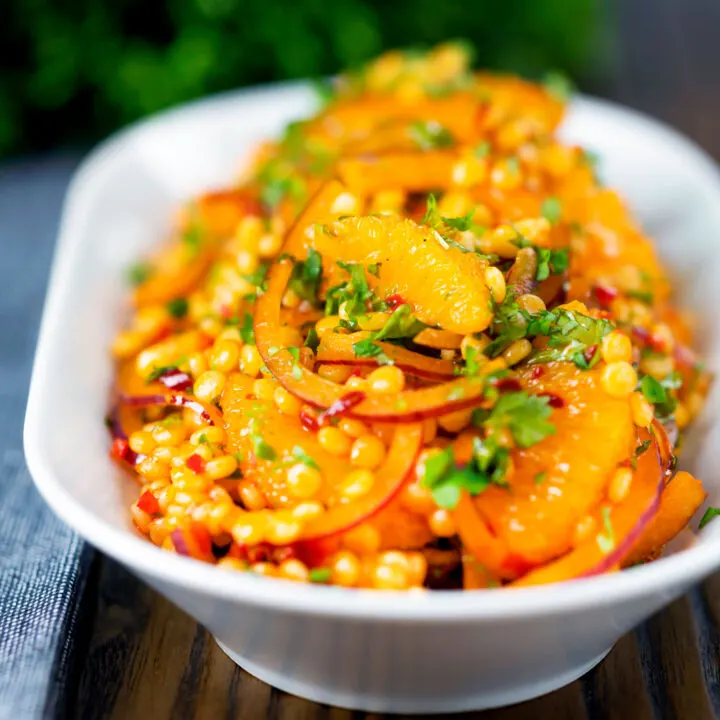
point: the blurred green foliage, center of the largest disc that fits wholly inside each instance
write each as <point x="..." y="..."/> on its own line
<point x="75" y="69"/>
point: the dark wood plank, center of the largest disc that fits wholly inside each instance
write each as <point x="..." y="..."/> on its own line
<point x="148" y="659"/>
<point x="616" y="687"/>
<point x="672" y="665"/>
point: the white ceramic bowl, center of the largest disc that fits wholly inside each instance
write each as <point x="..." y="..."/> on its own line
<point x="375" y="651"/>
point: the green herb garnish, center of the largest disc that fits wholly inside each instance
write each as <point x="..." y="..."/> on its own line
<point x="307" y="276"/>
<point x="178" y="308"/>
<point x="368" y="348"/>
<point x="138" y="273"/>
<point x="559" y="85"/>
<point x="551" y="210"/>
<point x="551" y="262"/>
<point x="263" y="450"/>
<point x="401" y="324"/>
<point x="320" y="575"/>
<point x="657" y="394"/>
<point x="709" y="514"/>
<point x="525" y="415"/>
<point x="606" y="541"/>
<point x="430" y="135"/>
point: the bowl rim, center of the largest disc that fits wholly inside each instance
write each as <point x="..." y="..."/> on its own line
<point x="154" y="564"/>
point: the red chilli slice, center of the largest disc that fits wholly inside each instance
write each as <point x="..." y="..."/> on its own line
<point x="340" y="407"/>
<point x="148" y="503"/>
<point x="196" y="463"/>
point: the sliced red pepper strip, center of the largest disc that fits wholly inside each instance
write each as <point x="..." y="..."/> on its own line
<point x="627" y="519"/>
<point x="398" y="466"/>
<point x="458" y="112"/>
<point x="337" y="349"/>
<point x="488" y="550"/>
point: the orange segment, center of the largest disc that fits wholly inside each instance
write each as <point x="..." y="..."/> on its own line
<point x="593" y="433"/>
<point x="444" y="285"/>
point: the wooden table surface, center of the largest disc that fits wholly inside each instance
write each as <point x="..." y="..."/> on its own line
<point x="147" y="659"/>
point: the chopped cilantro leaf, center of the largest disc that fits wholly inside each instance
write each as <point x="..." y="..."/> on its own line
<point x="483" y="149"/>
<point x="645" y="296"/>
<point x="430" y="135"/>
<point x="374" y="269"/>
<point x="710" y="513"/>
<point x="447" y="480"/>
<point x="320" y="575"/>
<point x="177" y="308"/>
<point x="257" y="278"/>
<point x="246" y="330"/>
<point x="275" y="188"/>
<point x="312" y="340"/>
<point x="368" y="348"/>
<point x="432" y="216"/>
<point x="447" y="495"/>
<point x="460" y="223"/>
<point x="301" y="456"/>
<point x="641" y="448"/>
<point x="307" y="276"/>
<point x="606" y="541"/>
<point x="656" y="393"/>
<point x="568" y="333"/>
<point x="551" y="210"/>
<point x="262" y="450"/>
<point x="355" y="295"/>
<point x="138" y="273"/>
<point x="171" y="421"/>
<point x="193" y="238"/>
<point x="558" y="85"/>
<point x="401" y="324"/>
<point x="540" y="478"/>
<point x="472" y="366"/>
<point x="551" y="262"/>
<point x="526" y="416"/>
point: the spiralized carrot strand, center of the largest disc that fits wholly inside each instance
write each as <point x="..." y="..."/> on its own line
<point x="413" y="171"/>
<point x="460" y="114"/>
<point x="680" y="499"/>
<point x="477" y="539"/>
<point x="438" y="339"/>
<point x="338" y="349"/>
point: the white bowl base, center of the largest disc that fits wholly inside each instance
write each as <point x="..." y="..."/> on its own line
<point x="407" y="705"/>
